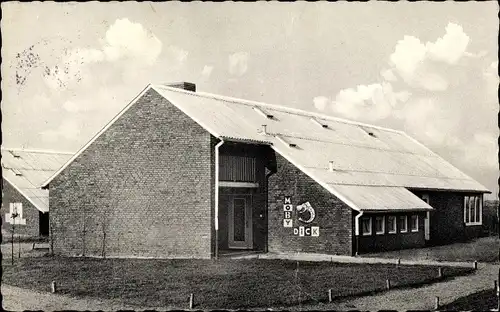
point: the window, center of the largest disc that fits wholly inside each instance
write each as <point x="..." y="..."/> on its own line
<point x="391" y="224"/>
<point x="414" y="223"/>
<point x="425" y="198"/>
<point x="379" y="225"/>
<point x="16" y="211"/>
<point x="473" y="210"/>
<point x="403" y="224"/>
<point x="366" y="226"/>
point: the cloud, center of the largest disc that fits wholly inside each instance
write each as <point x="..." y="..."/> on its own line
<point x="125" y="39"/>
<point x="207" y="71"/>
<point x="178" y="55"/>
<point x="69" y="129"/>
<point x="368" y="102"/>
<point x="451" y="47"/>
<point x="238" y="63"/>
<point x="425" y="65"/>
<point x="388" y="75"/>
<point x="321" y="102"/>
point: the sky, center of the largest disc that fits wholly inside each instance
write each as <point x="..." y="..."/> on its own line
<point x="427" y="68"/>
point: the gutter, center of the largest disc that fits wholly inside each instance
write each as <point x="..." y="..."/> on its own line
<point x="266" y="244"/>
<point x="216" y="213"/>
<point x="356" y="229"/>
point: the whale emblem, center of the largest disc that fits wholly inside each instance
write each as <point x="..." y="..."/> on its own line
<point x="306" y="207"/>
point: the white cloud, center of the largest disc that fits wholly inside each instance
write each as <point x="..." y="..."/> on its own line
<point x="321" y="102"/>
<point x="123" y="40"/>
<point x="388" y="75"/>
<point x="207" y="71"/>
<point x="368" y="102"/>
<point x="424" y="65"/>
<point x="68" y="129"/>
<point x="127" y="39"/>
<point x="178" y="55"/>
<point x="238" y="63"/>
<point x="451" y="47"/>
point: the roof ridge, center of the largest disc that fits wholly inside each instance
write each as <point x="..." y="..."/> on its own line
<point x="275" y="107"/>
<point x="26" y="150"/>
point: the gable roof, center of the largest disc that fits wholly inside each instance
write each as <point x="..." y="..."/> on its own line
<point x="384" y="161"/>
<point x="26" y="170"/>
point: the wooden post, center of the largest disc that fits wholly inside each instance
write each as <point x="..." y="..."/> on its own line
<point x="496" y="285"/>
<point x="191" y="301"/>
<point x="388" y="284"/>
<point x="436" y="303"/>
<point x="330" y="298"/>
<point x="440" y="272"/>
<point x="475" y="265"/>
<point x="54" y="287"/>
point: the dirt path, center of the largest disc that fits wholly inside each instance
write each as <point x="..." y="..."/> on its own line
<point x="19" y="299"/>
<point x="419" y="298"/>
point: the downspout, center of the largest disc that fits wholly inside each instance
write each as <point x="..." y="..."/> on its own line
<point x="267" y="211"/>
<point x="216" y="213"/>
<point x="356" y="229"/>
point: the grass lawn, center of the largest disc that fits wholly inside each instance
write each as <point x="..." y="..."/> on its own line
<point x="483" y="249"/>
<point x="224" y="283"/>
<point x="485" y="300"/>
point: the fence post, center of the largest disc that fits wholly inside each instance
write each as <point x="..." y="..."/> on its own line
<point x="54" y="287"/>
<point x="388" y="284"/>
<point x="191" y="301"/>
<point x="475" y="265"/>
<point x="330" y="298"/>
<point x="440" y="272"/>
<point x="436" y="303"/>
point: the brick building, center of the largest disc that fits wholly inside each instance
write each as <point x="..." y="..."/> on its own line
<point x="23" y="172"/>
<point x="180" y="173"/>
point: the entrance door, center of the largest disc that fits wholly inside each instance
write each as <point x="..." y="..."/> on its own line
<point x="427" y="221"/>
<point x="240" y="222"/>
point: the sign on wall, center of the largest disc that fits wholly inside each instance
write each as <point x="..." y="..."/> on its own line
<point x="304" y="213"/>
<point x="287" y="212"/>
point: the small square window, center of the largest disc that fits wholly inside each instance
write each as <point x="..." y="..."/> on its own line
<point x="391" y="224"/>
<point x="379" y="225"/>
<point x="414" y="223"/>
<point x="403" y="224"/>
<point x="366" y="226"/>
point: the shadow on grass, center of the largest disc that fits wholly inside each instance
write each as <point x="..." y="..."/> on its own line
<point x="485" y="300"/>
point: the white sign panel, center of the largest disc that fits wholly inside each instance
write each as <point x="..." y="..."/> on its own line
<point x="287" y="223"/>
<point x="288" y="207"/>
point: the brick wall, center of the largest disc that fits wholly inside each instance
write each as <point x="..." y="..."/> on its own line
<point x="447" y="219"/>
<point x="333" y="217"/>
<point x="393" y="241"/>
<point x="143" y="188"/>
<point x="30" y="213"/>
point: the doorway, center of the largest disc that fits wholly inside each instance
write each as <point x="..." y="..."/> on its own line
<point x="43" y="223"/>
<point x="240" y="232"/>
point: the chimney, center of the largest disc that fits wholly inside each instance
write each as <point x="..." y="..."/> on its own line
<point x="330" y="165"/>
<point x="188" y="86"/>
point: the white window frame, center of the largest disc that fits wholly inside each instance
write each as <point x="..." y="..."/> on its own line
<point x="472" y="212"/>
<point x="411" y="223"/>
<point x="383" y="225"/>
<point x="370" y="227"/>
<point x="406" y="224"/>
<point x="395" y="223"/>
<point x="15" y="207"/>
